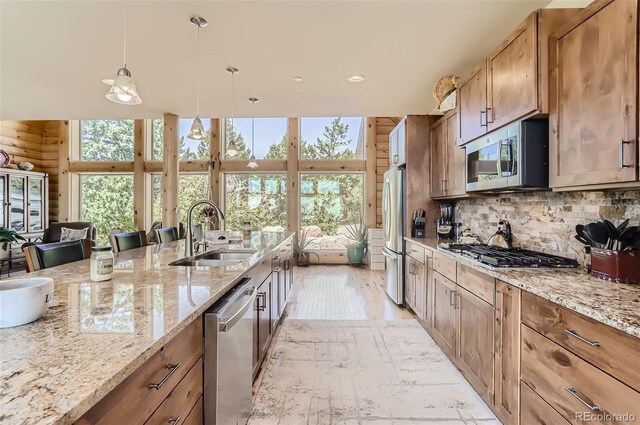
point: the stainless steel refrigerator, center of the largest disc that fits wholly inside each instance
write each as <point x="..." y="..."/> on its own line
<point x="393" y="214"/>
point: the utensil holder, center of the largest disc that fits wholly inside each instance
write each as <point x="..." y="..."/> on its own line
<point x="615" y="266"/>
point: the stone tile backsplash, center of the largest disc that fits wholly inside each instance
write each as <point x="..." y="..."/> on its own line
<point x="546" y="221"/>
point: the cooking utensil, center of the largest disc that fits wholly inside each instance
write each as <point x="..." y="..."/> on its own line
<point x="611" y="229"/>
<point x="622" y="226"/>
<point x="502" y="238"/>
<point x="583" y="240"/>
<point x="598" y="233"/>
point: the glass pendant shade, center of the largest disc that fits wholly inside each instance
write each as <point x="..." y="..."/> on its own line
<point x="252" y="162"/>
<point x="123" y="90"/>
<point x="231" y="149"/>
<point x="197" y="130"/>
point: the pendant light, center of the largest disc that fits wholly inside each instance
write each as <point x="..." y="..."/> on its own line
<point x="231" y="150"/>
<point x="252" y="161"/>
<point x="197" y="131"/>
<point x="123" y="88"/>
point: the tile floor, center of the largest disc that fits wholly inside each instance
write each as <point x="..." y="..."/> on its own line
<point x="374" y="366"/>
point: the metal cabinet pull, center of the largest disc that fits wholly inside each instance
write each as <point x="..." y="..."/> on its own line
<point x="622" y="163"/>
<point x="445" y="181"/>
<point x="573" y="392"/>
<point x="574" y="334"/>
<point x="174" y="421"/>
<point x="261" y="295"/>
<point x="487" y="118"/>
<point x="481" y="114"/>
<point x="172" y="368"/>
<point x="452" y="299"/>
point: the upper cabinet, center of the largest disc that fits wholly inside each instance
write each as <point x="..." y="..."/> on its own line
<point x="397" y="144"/>
<point x="593" y="93"/>
<point x="512" y="82"/>
<point x="448" y="160"/>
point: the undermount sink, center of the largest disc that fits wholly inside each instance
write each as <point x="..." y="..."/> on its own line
<point x="214" y="259"/>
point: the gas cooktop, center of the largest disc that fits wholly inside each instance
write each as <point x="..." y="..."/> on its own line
<point x="510" y="258"/>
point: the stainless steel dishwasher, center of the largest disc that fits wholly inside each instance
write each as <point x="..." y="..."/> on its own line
<point x="228" y="357"/>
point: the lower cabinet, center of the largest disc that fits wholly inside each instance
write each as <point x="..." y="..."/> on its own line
<point x="166" y="386"/>
<point x="409" y="281"/>
<point x="475" y="341"/>
<point x="507" y="353"/>
<point x="262" y="329"/>
<point x="444" y="313"/>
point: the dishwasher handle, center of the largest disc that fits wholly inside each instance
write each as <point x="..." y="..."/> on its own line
<point x="237" y="306"/>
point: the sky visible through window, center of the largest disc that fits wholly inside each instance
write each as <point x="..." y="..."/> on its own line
<point x="311" y="128"/>
<point x="185" y="127"/>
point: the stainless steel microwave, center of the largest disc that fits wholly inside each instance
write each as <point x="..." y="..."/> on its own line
<point x="515" y="157"/>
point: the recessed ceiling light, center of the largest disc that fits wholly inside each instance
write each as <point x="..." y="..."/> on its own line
<point x="356" y="78"/>
<point x="297" y="79"/>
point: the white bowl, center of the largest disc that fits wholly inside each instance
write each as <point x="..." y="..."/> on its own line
<point x="24" y="300"/>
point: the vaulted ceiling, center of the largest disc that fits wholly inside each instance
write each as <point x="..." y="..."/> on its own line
<point x="53" y="55"/>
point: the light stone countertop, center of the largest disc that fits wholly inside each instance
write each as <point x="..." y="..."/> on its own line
<point x="614" y="304"/>
<point x="95" y="334"/>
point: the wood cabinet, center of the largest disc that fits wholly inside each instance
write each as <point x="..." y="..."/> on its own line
<point x="262" y="331"/>
<point x="448" y="160"/>
<point x="415" y="286"/>
<point x="472" y="105"/>
<point x="475" y="341"/>
<point x="512" y="82"/>
<point x="155" y="384"/>
<point x="594" y="98"/>
<point x="535" y="411"/>
<point x="409" y="281"/>
<point x="444" y="313"/>
<point x="507" y="353"/>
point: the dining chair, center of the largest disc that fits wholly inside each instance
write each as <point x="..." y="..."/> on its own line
<point x="126" y="241"/>
<point x="168" y="234"/>
<point x="44" y="256"/>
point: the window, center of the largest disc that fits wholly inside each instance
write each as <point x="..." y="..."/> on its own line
<point x="157" y="139"/>
<point x="332" y="138"/>
<point x="270" y="136"/>
<point x="107" y="201"/>
<point x="190" y="150"/>
<point x="258" y="198"/>
<point x="327" y="203"/>
<point x="191" y="188"/>
<point x="106" y="140"/>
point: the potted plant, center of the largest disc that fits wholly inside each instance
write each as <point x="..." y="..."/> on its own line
<point x="6" y="238"/>
<point x="300" y="249"/>
<point x="357" y="230"/>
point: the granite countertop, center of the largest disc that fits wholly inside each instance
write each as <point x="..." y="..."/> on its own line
<point x="614" y="304"/>
<point x="95" y="334"/>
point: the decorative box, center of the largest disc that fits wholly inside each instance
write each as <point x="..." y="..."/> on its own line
<point x="615" y="266"/>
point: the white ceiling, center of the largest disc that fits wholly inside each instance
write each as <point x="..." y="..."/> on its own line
<point x="54" y="53"/>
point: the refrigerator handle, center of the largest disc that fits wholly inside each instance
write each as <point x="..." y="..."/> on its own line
<point x="389" y="254"/>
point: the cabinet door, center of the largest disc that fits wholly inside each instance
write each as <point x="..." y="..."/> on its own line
<point x="592" y="98"/>
<point x="444" y="313"/>
<point x="282" y="288"/>
<point x="438" y="159"/>
<point x="429" y="291"/>
<point x="408" y="280"/>
<point x="275" y="298"/>
<point x="393" y="148"/>
<point x="475" y="342"/>
<point x="35" y="204"/>
<point x="419" y="289"/>
<point x="507" y="353"/>
<point x="401" y="131"/>
<point x="472" y="106"/>
<point x="264" y="317"/>
<point x="17" y="203"/>
<point x="456" y="175"/>
<point x="512" y="73"/>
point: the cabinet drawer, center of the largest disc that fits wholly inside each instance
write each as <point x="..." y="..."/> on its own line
<point x="132" y="402"/>
<point x="415" y="251"/>
<point x="444" y="265"/>
<point x="181" y="400"/>
<point x="569" y="384"/>
<point x="616" y="353"/>
<point x="479" y="284"/>
<point x="196" y="416"/>
<point x="536" y="411"/>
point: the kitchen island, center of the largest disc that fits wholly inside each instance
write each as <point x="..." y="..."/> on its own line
<point x="95" y="335"/>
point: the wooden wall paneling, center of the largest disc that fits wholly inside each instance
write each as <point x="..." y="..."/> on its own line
<point x="170" y="172"/>
<point x="214" y="157"/>
<point x="293" y="177"/>
<point x="139" y="182"/>
<point x="370" y="176"/>
<point x="50" y="163"/>
<point x="64" y="178"/>
<point x="384" y="125"/>
<point x="22" y="140"/>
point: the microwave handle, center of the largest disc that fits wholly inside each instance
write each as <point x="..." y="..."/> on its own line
<point x="508" y="146"/>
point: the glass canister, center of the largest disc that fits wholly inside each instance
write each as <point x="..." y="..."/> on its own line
<point x="101" y="263"/>
<point x="246" y="230"/>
